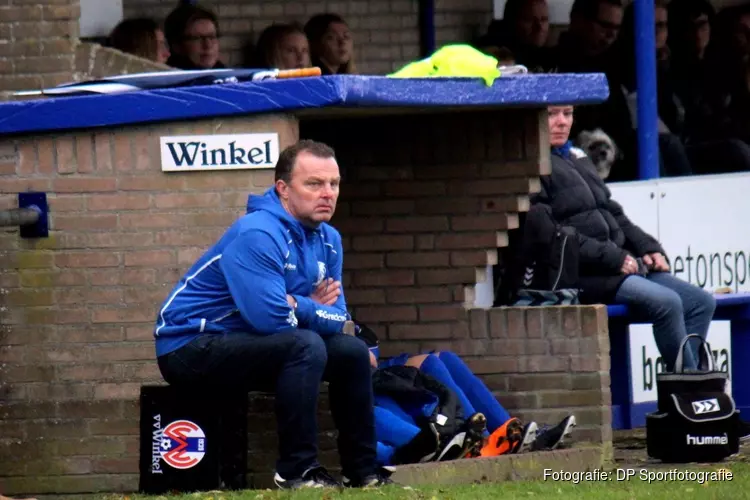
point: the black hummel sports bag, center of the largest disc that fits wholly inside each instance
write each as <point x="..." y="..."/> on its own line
<point x="696" y="420"/>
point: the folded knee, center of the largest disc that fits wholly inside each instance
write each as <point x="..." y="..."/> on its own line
<point x="347" y="349"/>
<point x="310" y="346"/>
<point x="708" y="304"/>
<point x="417" y="361"/>
<point x="668" y="303"/>
<point x="448" y="356"/>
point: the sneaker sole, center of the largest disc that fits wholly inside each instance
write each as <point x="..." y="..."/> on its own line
<point x="283" y="484"/>
<point x="453" y="451"/>
<point x="528" y="438"/>
<point x="567" y="431"/>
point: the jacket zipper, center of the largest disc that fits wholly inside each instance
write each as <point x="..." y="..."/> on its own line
<point x="225" y="316"/>
<point x="593" y="196"/>
<point x="562" y="262"/>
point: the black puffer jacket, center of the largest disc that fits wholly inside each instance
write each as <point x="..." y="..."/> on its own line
<point x="574" y="196"/>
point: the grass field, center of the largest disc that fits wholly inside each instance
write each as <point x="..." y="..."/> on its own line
<point x="738" y="487"/>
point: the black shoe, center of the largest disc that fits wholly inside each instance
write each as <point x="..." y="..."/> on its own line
<point x="550" y="438"/>
<point x="316" y="477"/>
<point x="744" y="431"/>
<point x="422" y="448"/>
<point x="381" y="478"/>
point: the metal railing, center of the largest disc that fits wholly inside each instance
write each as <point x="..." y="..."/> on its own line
<point x="20" y="216"/>
<point x="30" y="216"/>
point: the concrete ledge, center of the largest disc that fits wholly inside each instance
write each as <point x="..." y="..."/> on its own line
<point x="527" y="466"/>
<point x="524" y="467"/>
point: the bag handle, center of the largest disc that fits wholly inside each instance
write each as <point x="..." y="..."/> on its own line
<point x="704" y="349"/>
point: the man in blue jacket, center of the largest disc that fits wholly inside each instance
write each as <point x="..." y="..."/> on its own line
<point x="263" y="309"/>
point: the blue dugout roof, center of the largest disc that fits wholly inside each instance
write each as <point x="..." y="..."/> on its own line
<point x="294" y="95"/>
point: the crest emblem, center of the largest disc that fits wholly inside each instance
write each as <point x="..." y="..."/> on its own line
<point x="321" y="273"/>
<point x="183" y="444"/>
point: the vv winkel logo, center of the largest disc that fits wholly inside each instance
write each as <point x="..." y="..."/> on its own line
<point x="183" y="444"/>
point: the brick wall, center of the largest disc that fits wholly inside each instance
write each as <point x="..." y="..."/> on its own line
<point x="36" y="43"/>
<point x="386" y="32"/>
<point x="427" y="201"/>
<point x="94" y="61"/>
<point x="39" y="48"/>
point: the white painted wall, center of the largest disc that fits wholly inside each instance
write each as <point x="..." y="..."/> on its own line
<point x="559" y="10"/>
<point x="99" y="17"/>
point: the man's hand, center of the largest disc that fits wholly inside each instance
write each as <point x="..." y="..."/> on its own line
<point x="289" y="300"/>
<point x="373" y="360"/>
<point x="327" y="292"/>
<point x="656" y="262"/>
<point x="629" y="265"/>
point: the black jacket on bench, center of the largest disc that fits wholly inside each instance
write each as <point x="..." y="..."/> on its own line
<point x="573" y="196"/>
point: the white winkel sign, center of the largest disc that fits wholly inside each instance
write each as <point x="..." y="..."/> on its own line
<point x="196" y="153"/>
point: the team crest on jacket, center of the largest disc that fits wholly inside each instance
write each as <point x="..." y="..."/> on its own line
<point x="321" y="273"/>
<point x="292" y="319"/>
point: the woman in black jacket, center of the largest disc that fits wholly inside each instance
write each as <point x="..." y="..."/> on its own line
<point x="617" y="261"/>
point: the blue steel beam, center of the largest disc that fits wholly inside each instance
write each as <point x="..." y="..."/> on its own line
<point x="648" y="138"/>
<point x="427" y="27"/>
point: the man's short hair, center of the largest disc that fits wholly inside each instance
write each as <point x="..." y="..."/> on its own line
<point x="181" y="17"/>
<point x="589" y="9"/>
<point x="288" y="157"/>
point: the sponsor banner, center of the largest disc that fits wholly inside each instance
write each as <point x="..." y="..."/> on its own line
<point x="197" y="153"/>
<point x="700" y="222"/>
<point x="646" y="362"/>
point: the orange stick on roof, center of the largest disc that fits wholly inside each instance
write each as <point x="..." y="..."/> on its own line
<point x="299" y="73"/>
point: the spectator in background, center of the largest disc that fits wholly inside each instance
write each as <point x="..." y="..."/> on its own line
<point x="689" y="34"/>
<point x="587" y="47"/>
<point x="141" y="37"/>
<point x="283" y="46"/>
<point x="728" y="73"/>
<point x="690" y="24"/>
<point x="193" y="36"/>
<point x="683" y="151"/>
<point x="489" y="46"/>
<point x="621" y="74"/>
<point x="524" y="30"/>
<point x="594" y="27"/>
<point x="331" y="44"/>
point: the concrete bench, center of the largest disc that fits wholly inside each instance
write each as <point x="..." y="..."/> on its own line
<point x="635" y="360"/>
